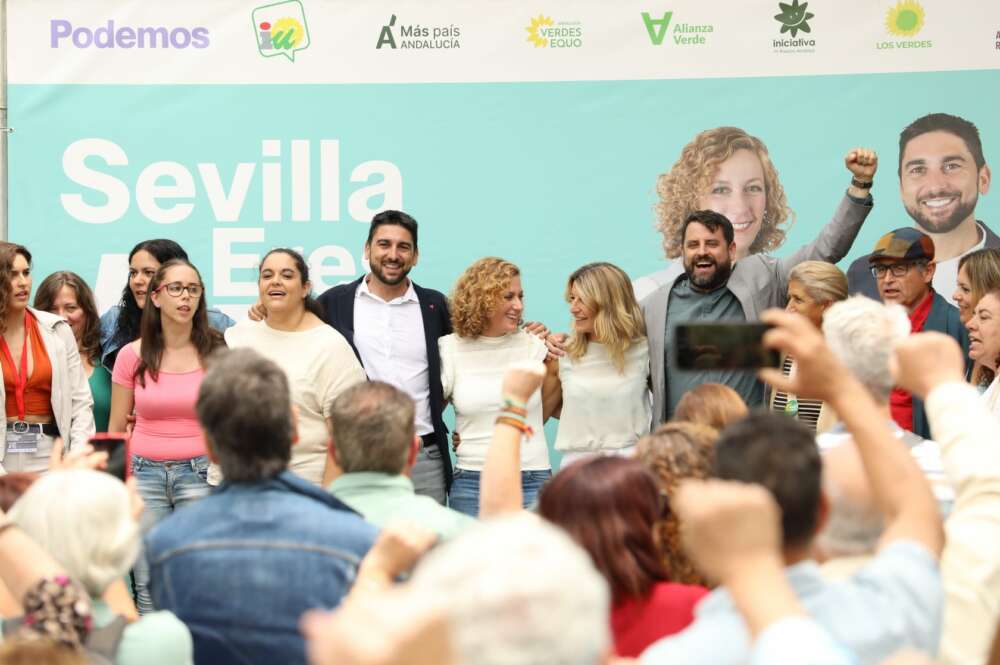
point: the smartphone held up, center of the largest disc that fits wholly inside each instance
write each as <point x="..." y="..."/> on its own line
<point x="723" y="345"/>
<point x="115" y="444"/>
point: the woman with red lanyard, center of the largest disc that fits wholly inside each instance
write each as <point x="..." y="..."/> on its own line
<point x="45" y="389"/>
<point x="158" y="376"/>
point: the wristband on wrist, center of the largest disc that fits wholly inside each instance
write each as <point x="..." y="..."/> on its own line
<point x="861" y="184"/>
<point x="515" y="410"/>
<point x="510" y="401"/>
<point x="517" y="424"/>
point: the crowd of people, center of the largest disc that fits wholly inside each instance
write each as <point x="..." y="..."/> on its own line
<point x="295" y="494"/>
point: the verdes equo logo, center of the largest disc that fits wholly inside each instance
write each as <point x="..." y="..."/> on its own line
<point x="281" y="29"/>
<point x="111" y="35"/>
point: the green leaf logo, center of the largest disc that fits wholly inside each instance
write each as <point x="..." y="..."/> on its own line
<point x="793" y="17"/>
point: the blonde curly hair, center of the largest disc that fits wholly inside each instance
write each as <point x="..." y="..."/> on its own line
<point x="681" y="188"/>
<point x="674" y="452"/>
<point x="477" y="294"/>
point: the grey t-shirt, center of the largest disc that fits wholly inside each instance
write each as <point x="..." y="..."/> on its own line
<point x="686" y="306"/>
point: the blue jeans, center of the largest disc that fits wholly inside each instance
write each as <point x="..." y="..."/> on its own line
<point x="464" y="495"/>
<point x="164" y="486"/>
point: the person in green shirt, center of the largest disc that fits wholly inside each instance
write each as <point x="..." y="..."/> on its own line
<point x="65" y="294"/>
<point x="374" y="449"/>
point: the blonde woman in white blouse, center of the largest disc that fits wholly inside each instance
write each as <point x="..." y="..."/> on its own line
<point x="599" y="388"/>
<point x="487" y="305"/>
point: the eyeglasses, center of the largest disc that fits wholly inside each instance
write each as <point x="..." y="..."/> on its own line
<point x="897" y="269"/>
<point x="176" y="289"/>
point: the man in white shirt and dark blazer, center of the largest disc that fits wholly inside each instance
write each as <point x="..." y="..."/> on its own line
<point x="393" y="325"/>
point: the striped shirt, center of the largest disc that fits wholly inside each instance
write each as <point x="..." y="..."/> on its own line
<point x="808" y="409"/>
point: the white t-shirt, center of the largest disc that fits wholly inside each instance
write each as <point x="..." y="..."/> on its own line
<point x="472" y="376"/>
<point x="992" y="396"/>
<point x="602" y="408"/>
<point x="946" y="272"/>
<point x="320" y="365"/>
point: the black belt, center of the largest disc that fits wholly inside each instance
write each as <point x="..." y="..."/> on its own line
<point x="21" y="427"/>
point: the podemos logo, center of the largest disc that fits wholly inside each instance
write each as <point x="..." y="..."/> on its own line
<point x="110" y="35"/>
<point x="281" y="29"/>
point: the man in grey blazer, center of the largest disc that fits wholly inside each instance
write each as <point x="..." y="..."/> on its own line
<point x="712" y="286"/>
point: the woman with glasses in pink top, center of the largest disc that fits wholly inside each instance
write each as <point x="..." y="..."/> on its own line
<point x="158" y="377"/>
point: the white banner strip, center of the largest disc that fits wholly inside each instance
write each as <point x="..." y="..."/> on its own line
<point x="325" y="41"/>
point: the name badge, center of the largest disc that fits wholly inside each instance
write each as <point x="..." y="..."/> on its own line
<point x="23" y="442"/>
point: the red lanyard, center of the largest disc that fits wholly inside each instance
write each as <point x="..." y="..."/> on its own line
<point x="20" y="378"/>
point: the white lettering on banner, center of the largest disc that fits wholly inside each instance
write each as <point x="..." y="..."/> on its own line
<point x="301" y="208"/>
<point x="153" y="198"/>
<point x="390" y="189"/>
<point x="76" y="169"/>
<point x="226" y="207"/>
<point x="319" y="268"/>
<point x="224" y="260"/>
<point x="327" y="261"/>
<point x="329" y="180"/>
<point x="147" y="192"/>
<point x="272" y="181"/>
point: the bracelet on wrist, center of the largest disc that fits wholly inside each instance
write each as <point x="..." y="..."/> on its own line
<point x="861" y="184"/>
<point x="516" y="403"/>
<point x="515" y="410"/>
<point x="517" y="424"/>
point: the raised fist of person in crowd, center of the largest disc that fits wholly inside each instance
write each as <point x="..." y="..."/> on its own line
<point x="926" y="360"/>
<point x="862" y="163"/>
<point x="521" y="381"/>
<point x="818" y="374"/>
<point x="726" y="526"/>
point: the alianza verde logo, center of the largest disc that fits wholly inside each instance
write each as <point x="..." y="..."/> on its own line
<point x="684" y="34"/>
<point x="280" y="29"/>
<point x="905" y="19"/>
<point x="543" y="32"/>
<point x="794" y="18"/>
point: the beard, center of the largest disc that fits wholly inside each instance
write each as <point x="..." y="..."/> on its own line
<point x="380" y="274"/>
<point x="712" y="280"/>
<point x="962" y="211"/>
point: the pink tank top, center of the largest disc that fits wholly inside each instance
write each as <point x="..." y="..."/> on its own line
<point x="166" y="425"/>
